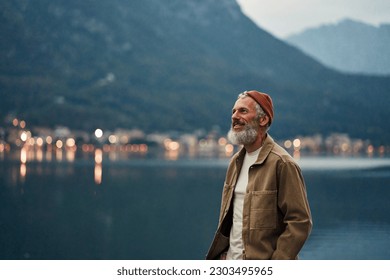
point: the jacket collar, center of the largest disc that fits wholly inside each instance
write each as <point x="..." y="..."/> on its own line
<point x="264" y="152"/>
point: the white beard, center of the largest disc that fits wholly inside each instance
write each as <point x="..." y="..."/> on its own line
<point x="244" y="137"/>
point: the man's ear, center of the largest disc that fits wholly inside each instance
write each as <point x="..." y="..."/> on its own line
<point x="264" y="121"/>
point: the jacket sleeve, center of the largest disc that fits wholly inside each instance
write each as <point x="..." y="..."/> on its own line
<point x="293" y="204"/>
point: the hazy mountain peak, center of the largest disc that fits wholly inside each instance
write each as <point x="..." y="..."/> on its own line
<point x="348" y="46"/>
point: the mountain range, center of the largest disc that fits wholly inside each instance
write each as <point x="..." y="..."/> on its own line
<point x="348" y="46"/>
<point x="170" y="65"/>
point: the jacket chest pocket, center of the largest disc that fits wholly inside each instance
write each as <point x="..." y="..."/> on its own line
<point x="263" y="210"/>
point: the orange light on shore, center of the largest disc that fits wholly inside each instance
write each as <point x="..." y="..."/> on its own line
<point x="113" y="139"/>
<point x="297" y="144"/>
<point x="143" y="148"/>
<point x="59" y="144"/>
<point x="22" y="124"/>
<point x="24" y="136"/>
<point x="288" y="144"/>
<point x="99" y="133"/>
<point x="70" y="142"/>
<point x="222" y="141"/>
<point x="370" y="149"/>
<point x="15" y="122"/>
<point x="171" y="145"/>
<point x="39" y="142"/>
<point x="229" y="148"/>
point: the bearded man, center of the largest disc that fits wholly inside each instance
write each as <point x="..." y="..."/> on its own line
<point x="264" y="211"/>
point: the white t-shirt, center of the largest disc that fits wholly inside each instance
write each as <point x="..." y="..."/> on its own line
<point x="236" y="246"/>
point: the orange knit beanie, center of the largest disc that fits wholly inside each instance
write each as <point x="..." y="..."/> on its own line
<point x="264" y="100"/>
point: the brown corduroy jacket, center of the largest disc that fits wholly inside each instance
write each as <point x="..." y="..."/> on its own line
<point x="276" y="215"/>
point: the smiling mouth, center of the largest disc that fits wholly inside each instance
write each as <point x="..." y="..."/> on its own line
<point x="238" y="125"/>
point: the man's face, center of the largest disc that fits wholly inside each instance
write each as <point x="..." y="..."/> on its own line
<point x="243" y="113"/>
<point x="245" y="126"/>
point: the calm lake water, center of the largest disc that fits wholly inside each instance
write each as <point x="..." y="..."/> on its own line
<point x="159" y="209"/>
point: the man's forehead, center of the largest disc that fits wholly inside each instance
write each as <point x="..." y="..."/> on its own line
<point x="245" y="102"/>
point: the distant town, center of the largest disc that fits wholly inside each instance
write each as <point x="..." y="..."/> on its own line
<point x="62" y="143"/>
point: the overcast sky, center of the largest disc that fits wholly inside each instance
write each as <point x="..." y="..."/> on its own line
<point x="285" y="17"/>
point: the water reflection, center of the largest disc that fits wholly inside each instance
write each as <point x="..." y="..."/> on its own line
<point x="40" y="151"/>
<point x="23" y="155"/>
<point x="172" y="155"/>
<point x="58" y="154"/>
<point x="23" y="171"/>
<point x="67" y="216"/>
<point x="98" y="171"/>
<point x="39" y="154"/>
<point x="353" y="240"/>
